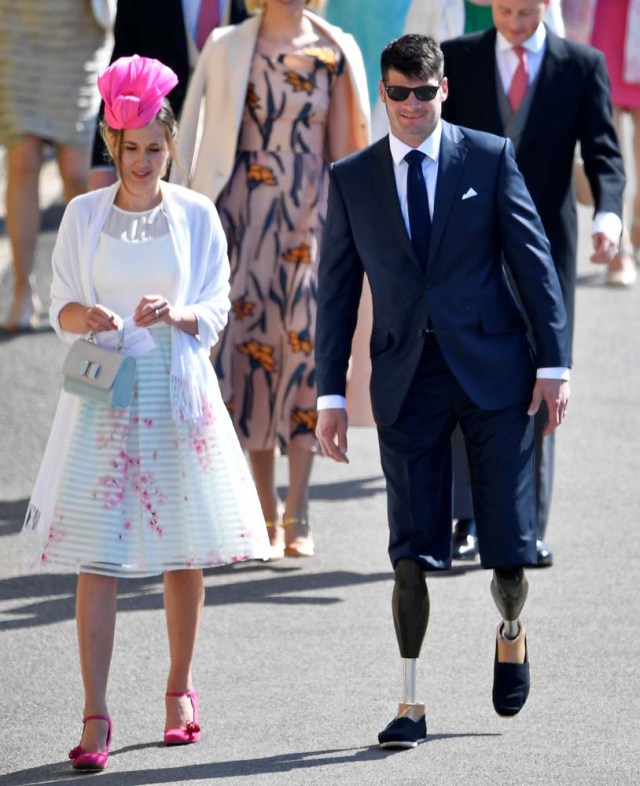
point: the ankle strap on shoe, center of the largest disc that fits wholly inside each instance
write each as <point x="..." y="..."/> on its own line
<point x="177" y="694"/>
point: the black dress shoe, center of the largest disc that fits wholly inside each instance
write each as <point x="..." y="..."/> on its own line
<point x="544" y="558"/>
<point x="511" y="683"/>
<point x="403" y="733"/>
<point x="464" y="543"/>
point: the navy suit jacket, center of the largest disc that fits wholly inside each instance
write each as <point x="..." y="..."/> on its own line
<point x="463" y="294"/>
<point x="571" y="104"/>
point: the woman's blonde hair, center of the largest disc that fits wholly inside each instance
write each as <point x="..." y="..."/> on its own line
<point x="254" y="6"/>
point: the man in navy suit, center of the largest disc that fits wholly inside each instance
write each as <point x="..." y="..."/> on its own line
<point x="565" y="99"/>
<point x="431" y="213"/>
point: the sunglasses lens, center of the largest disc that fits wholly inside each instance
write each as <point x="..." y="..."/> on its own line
<point x="398" y="93"/>
<point x="426" y="92"/>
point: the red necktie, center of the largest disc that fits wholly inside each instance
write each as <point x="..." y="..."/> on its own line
<point x="520" y="81"/>
<point x="208" y="19"/>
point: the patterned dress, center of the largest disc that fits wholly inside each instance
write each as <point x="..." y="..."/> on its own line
<point x="139" y="493"/>
<point x="273" y="211"/>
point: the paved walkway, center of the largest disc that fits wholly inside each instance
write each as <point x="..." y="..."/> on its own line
<point x="297" y="664"/>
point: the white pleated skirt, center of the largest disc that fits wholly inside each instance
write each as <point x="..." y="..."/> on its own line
<point x="141" y="494"/>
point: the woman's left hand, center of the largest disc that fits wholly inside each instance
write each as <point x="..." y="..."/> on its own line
<point x="152" y="310"/>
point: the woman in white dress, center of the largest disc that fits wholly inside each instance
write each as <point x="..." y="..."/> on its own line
<point x="161" y="486"/>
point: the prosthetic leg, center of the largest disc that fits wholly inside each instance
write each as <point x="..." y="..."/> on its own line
<point x="410" y="605"/>
<point x="509" y="588"/>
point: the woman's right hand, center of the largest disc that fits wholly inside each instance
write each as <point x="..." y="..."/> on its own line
<point x="78" y="318"/>
<point x="98" y="319"/>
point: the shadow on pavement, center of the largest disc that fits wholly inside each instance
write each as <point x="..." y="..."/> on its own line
<point x="51" y="596"/>
<point x="12" y="515"/>
<point x="353" y="489"/>
<point x="61" y="773"/>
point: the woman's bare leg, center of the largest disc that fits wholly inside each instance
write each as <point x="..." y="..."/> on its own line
<point x="183" y="604"/>
<point x="263" y="467"/>
<point x="300" y="465"/>
<point x="24" y="162"/>
<point x="96" y="601"/>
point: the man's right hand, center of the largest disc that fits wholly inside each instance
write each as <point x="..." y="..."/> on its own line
<point x="332" y="433"/>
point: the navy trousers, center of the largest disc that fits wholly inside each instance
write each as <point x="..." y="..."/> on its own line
<point x="416" y="460"/>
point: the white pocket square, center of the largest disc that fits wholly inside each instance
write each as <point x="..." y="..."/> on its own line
<point x="470" y="193"/>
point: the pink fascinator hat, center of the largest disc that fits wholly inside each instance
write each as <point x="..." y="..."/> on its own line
<point x="133" y="89"/>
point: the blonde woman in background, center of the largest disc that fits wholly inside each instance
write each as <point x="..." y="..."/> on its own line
<point x="282" y="94"/>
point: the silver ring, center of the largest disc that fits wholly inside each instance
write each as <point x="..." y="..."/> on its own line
<point x="157" y="313"/>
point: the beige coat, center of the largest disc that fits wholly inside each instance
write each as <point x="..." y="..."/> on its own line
<point x="212" y="111"/>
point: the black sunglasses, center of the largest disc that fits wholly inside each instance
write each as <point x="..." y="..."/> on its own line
<point x="422" y="93"/>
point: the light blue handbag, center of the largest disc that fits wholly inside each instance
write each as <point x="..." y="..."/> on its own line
<point x="100" y="374"/>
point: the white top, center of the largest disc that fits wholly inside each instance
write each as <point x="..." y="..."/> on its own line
<point x="200" y="246"/>
<point x="135" y="257"/>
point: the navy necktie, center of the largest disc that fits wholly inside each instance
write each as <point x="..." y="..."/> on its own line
<point x="418" y="203"/>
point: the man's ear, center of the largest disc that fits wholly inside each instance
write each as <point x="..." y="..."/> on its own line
<point x="444" y="89"/>
<point x="381" y="92"/>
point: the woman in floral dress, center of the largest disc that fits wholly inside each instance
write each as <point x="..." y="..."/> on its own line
<point x="299" y="90"/>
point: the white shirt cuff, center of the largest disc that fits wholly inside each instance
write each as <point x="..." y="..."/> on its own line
<point x="332" y="402"/>
<point x="553" y="373"/>
<point x="609" y="224"/>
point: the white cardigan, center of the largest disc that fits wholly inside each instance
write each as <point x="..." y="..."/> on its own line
<point x="212" y="112"/>
<point x="201" y="249"/>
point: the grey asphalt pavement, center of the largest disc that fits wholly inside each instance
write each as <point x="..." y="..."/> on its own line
<point x="297" y="664"/>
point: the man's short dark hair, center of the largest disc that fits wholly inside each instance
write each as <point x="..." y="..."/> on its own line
<point x="415" y="56"/>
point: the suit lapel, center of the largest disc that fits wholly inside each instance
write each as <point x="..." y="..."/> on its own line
<point x="483" y="85"/>
<point x="453" y="152"/>
<point x="383" y="184"/>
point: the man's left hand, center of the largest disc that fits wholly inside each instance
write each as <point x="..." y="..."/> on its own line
<point x="604" y="249"/>
<point x="556" y="393"/>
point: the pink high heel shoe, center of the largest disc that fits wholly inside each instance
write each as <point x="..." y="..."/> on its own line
<point x="81" y="760"/>
<point x="191" y="732"/>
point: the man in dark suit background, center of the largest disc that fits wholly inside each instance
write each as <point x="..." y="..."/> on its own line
<point x="546" y="94"/>
<point x="429" y="213"/>
<point x="169" y="31"/>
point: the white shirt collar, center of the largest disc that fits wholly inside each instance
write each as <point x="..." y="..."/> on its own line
<point x="535" y="44"/>
<point x="430" y="147"/>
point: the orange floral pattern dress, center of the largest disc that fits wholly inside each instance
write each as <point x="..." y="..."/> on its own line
<point x="273" y="212"/>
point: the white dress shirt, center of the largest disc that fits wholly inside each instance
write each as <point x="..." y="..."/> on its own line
<point x="431" y="148"/>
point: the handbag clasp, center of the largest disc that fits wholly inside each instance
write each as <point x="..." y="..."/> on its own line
<point x="89" y="369"/>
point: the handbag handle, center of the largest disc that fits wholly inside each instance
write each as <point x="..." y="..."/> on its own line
<point x="120" y="344"/>
<point x="120" y="327"/>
